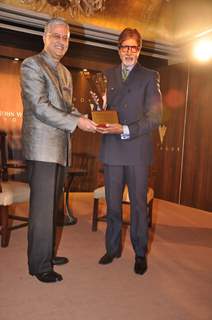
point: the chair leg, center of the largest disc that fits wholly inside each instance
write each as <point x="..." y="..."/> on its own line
<point x="95" y="214"/>
<point x="150" y="205"/>
<point x="5" y="232"/>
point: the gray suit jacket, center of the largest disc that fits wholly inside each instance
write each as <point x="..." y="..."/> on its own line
<point x="48" y="116"/>
<point x="138" y="103"/>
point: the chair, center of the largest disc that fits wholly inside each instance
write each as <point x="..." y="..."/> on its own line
<point x="11" y="192"/>
<point x="99" y="193"/>
<point x="84" y="162"/>
<point x="9" y="169"/>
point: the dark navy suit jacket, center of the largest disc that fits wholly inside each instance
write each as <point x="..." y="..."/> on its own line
<point x="138" y="103"/>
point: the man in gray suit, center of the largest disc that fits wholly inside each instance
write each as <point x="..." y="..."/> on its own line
<point x="49" y="119"/>
<point x="126" y="149"/>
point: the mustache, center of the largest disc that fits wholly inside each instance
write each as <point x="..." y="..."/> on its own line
<point x="129" y="57"/>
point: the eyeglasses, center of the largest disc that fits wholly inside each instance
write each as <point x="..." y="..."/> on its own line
<point x="133" y="49"/>
<point x="58" y="36"/>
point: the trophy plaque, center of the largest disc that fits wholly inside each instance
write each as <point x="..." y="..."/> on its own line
<point x="98" y="87"/>
<point x="104" y="117"/>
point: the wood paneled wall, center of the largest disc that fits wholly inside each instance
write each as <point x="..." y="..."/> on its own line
<point x="10" y="99"/>
<point x="183" y="161"/>
<point x="168" y="148"/>
<point x="10" y="104"/>
<point x="196" y="189"/>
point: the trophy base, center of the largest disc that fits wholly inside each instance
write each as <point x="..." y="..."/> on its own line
<point x="101" y="118"/>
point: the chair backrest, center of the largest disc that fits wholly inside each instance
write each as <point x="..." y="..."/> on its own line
<point x="3" y="156"/>
<point x="87" y="162"/>
<point x="80" y="160"/>
<point x="10" y="169"/>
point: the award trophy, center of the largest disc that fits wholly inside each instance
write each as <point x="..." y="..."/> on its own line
<point x="98" y="88"/>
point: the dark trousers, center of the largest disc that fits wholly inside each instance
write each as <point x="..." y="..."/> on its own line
<point x="46" y="192"/>
<point x="135" y="177"/>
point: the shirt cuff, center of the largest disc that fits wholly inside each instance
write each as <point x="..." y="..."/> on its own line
<point x="126" y="133"/>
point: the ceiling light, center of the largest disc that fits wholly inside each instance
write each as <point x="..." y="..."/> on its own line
<point x="203" y="50"/>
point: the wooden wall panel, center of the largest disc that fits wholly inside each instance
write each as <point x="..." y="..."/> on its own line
<point x="10" y="104"/>
<point x="10" y="99"/>
<point x="168" y="153"/>
<point x="197" y="162"/>
<point x="84" y="142"/>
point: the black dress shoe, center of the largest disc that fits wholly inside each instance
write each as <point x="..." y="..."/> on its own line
<point x="140" y="265"/>
<point x="49" y="276"/>
<point x="57" y="261"/>
<point x="106" y="259"/>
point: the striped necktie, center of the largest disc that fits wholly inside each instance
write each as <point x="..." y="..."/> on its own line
<point x="125" y="73"/>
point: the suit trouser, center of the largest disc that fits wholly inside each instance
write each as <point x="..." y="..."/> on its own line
<point x="116" y="177"/>
<point x="46" y="189"/>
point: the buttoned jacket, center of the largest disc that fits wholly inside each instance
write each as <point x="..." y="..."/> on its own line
<point x="138" y="103"/>
<point x="49" y="117"/>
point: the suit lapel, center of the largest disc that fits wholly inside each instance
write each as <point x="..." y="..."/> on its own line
<point x="116" y="91"/>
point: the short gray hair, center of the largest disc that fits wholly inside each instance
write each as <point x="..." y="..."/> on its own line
<point x="53" y="22"/>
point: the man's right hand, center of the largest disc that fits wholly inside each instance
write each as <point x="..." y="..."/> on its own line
<point x="86" y="124"/>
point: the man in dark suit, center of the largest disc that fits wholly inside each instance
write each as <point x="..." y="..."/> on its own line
<point x="48" y="120"/>
<point x="126" y="149"/>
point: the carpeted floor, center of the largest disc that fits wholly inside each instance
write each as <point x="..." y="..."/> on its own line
<point x="177" y="286"/>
